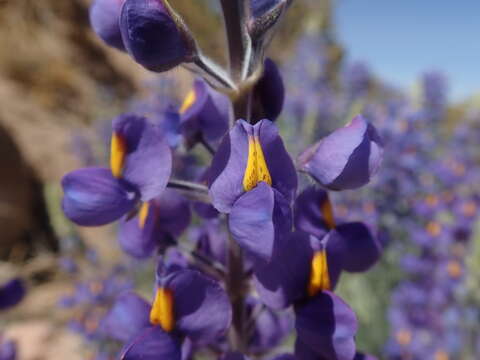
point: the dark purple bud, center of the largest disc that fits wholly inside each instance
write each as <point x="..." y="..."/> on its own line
<point x="154" y="35"/>
<point x="347" y="158"/>
<point x="104" y="17"/>
<point x="269" y="93"/>
<point x="11" y="293"/>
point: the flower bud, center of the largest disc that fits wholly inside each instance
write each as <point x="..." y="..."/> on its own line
<point x="269" y="93"/>
<point x="154" y="35"/>
<point x="345" y="159"/>
<point x="104" y="16"/>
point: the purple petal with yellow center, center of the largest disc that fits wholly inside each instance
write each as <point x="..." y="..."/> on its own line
<point x="258" y="221"/>
<point x="92" y="197"/>
<point x="11" y="293"/>
<point x="327" y="325"/>
<point x="280" y="165"/>
<point x="152" y="344"/>
<point x="202" y="308"/>
<point x="247" y="156"/>
<point x="204" y="114"/>
<point x="158" y="222"/>
<point x="347" y="158"/>
<point x="361" y="249"/>
<point x="147" y="163"/>
<point x="313" y="212"/>
<point x="314" y="267"/>
<point x="128" y="316"/>
<point x="104" y="16"/>
<point x="136" y="235"/>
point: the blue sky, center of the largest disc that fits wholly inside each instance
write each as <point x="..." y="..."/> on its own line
<point x="400" y="39"/>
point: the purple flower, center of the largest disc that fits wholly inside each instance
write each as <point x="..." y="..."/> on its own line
<point x="104" y="17"/>
<point x="187" y="304"/>
<point x="154" y="35"/>
<point x="11" y="293"/>
<point x="204" y="114"/>
<point x="140" y="165"/>
<point x="313" y="213"/>
<point x="158" y="223"/>
<point x="253" y="179"/>
<point x="345" y="159"/>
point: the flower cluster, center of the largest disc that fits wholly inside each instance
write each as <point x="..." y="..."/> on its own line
<point x="257" y="244"/>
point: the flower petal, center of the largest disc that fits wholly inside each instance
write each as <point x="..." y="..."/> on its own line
<point x="347" y="158"/>
<point x="270" y="92"/>
<point x="143" y="23"/>
<point x="362" y="250"/>
<point x="327" y="325"/>
<point x="173" y="213"/>
<point x="128" y="316"/>
<point x="208" y="115"/>
<point x="152" y="344"/>
<point x="280" y="165"/>
<point x="309" y="211"/>
<point x="92" y="196"/>
<point x="202" y="308"/>
<point x="225" y="175"/>
<point x="148" y="160"/>
<point x="136" y="240"/>
<point x="104" y="16"/>
<point x="285" y="279"/>
<point x="258" y="221"/>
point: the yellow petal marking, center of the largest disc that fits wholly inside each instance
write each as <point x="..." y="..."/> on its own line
<point x="188" y="101"/>
<point x="257" y="169"/>
<point x="327" y="212"/>
<point x="143" y="214"/>
<point x="162" y="310"/>
<point x="118" y="149"/>
<point x="319" y="277"/>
